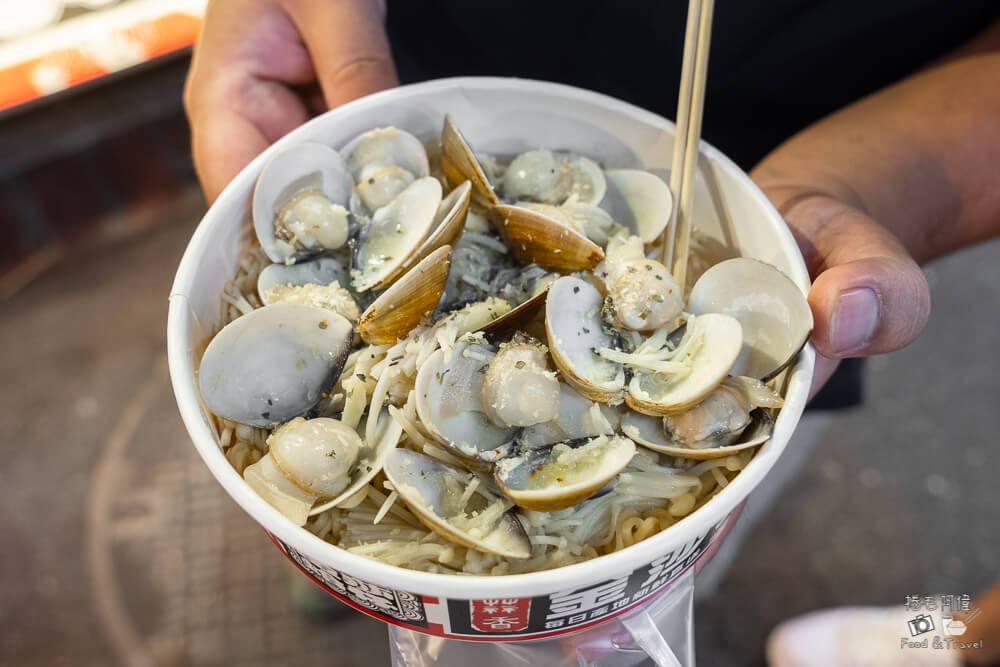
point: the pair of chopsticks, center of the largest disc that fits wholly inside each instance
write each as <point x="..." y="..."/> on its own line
<point x="690" y="108"/>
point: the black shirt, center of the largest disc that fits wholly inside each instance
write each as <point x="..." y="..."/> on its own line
<point x="775" y="65"/>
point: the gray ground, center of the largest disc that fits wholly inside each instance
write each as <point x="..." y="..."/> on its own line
<point x="119" y="548"/>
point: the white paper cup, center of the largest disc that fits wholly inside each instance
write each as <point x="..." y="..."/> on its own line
<point x="503" y="116"/>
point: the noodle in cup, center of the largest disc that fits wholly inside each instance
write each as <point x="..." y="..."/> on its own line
<point x="501" y="116"/>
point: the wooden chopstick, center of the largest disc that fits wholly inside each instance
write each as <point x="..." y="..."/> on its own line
<point x="680" y="130"/>
<point x="691" y="107"/>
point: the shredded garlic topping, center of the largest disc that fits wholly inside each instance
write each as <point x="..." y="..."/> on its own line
<point x="656" y="355"/>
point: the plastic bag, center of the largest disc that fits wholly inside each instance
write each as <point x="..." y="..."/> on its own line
<point x="660" y="633"/>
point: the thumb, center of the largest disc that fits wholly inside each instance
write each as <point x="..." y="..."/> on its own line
<point x="868" y="295"/>
<point x="349" y="47"/>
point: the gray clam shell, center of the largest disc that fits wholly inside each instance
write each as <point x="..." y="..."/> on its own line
<point x="274" y="363"/>
<point x="320" y="271"/>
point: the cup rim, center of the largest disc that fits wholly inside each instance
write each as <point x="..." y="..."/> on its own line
<point x="182" y="374"/>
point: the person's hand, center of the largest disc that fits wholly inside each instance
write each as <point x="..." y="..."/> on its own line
<point x="868" y="295"/>
<point x="262" y="67"/>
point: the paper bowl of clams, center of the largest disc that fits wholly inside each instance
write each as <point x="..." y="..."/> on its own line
<point x="426" y="341"/>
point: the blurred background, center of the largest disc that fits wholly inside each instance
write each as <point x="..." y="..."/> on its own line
<point x="119" y="547"/>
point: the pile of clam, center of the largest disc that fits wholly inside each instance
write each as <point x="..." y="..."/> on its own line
<point x="543" y="402"/>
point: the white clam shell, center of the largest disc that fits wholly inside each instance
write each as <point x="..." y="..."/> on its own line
<point x="639" y="200"/>
<point x="396" y="233"/>
<point x="385" y="147"/>
<point x="303" y="167"/>
<point x="723" y="339"/>
<point x="774" y="312"/>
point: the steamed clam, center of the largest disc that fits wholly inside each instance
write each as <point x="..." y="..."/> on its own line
<point x="519" y="389"/>
<point x="575" y="332"/>
<point x="459" y="163"/>
<point x="449" y="400"/>
<point x="274" y="364"/>
<point x="671" y="380"/>
<point x="457" y="504"/>
<point x="312" y="459"/>
<point x="319" y="271"/>
<point x="541" y="176"/>
<point x="562" y="475"/>
<point x="407" y="301"/>
<point x="519" y="357"/>
<point x="316" y="455"/>
<point x="638" y="200"/>
<point x="299" y="203"/>
<point x="539" y="238"/>
<point x="776" y="319"/>
<point x="395" y="233"/>
<point x="383" y="162"/>
<point x="731" y="418"/>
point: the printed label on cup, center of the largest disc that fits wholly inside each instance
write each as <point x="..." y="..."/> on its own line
<point x="506" y="618"/>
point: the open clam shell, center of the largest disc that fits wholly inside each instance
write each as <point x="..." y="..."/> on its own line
<point x="449" y="388"/>
<point x="317" y="455"/>
<point x="575" y="330"/>
<point x="446" y="228"/>
<point x="397" y="231"/>
<point x="319" y="271"/>
<point x="774" y="312"/>
<point x="384" y="162"/>
<point x="443" y="498"/>
<point x="516" y="318"/>
<point x="654" y="394"/>
<point x="542" y="176"/>
<point x="560" y="476"/>
<point x="648" y="431"/>
<point x="586" y="180"/>
<point x="578" y="417"/>
<point x="535" y="237"/>
<point x="407" y="301"/>
<point x="385" y="147"/>
<point x="274" y="363"/>
<point x="298" y="170"/>
<point x="639" y="200"/>
<point x="459" y="163"/>
<point x="278" y="491"/>
<point x="371" y="460"/>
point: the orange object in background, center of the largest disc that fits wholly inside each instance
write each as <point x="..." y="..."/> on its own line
<point x="96" y="44"/>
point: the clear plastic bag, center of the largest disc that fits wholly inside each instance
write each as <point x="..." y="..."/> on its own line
<point x="660" y="633"/>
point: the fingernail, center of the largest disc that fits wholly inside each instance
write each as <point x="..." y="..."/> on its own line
<point x="854" y="320"/>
